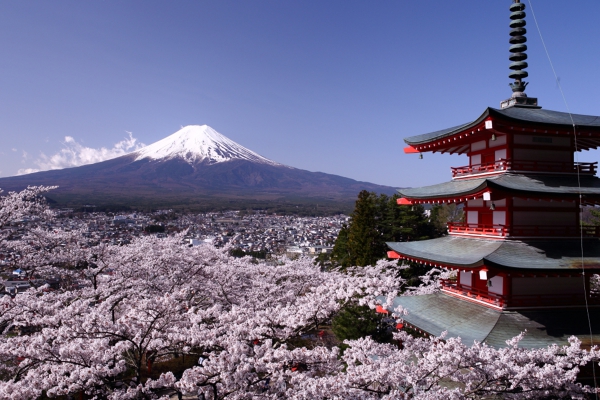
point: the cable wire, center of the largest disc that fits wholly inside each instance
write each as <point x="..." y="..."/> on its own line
<point x="585" y="294"/>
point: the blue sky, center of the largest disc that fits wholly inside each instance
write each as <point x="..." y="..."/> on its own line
<point x="331" y="86"/>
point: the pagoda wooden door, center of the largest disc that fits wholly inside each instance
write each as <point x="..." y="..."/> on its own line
<point x="487" y="158"/>
<point x="486" y="219"/>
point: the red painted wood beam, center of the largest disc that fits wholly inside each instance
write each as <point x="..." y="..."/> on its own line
<point x="393" y="255"/>
<point x="381" y="310"/>
<point x="410" y="150"/>
<point x="454" y="199"/>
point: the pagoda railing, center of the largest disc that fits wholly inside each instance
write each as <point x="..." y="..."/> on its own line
<point x="461" y="228"/>
<point x="498" y="300"/>
<point x="526" y="166"/>
<point x="497" y="166"/>
<point x="472" y="293"/>
<point x="477" y="229"/>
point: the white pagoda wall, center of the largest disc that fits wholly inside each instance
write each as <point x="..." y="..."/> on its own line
<point x="474" y="207"/>
<point x="465" y="278"/>
<point x="496" y="285"/>
<point x="488" y="146"/>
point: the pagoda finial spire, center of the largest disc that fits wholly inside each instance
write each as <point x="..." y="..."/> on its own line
<point x="518" y="47"/>
<point x="517" y="58"/>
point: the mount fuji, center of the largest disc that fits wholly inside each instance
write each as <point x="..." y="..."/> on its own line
<point x="195" y="167"/>
<point x="199" y="144"/>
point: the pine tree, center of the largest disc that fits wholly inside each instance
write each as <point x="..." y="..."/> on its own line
<point x="340" y="254"/>
<point x="355" y="322"/>
<point x="375" y="221"/>
<point x="442" y="214"/>
<point x="364" y="239"/>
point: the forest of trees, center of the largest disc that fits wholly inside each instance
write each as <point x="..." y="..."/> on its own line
<point x="378" y="219"/>
<point x="155" y="318"/>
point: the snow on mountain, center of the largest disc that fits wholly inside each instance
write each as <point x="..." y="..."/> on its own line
<point x="199" y="143"/>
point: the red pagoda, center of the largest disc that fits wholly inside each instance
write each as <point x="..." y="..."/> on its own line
<point x="523" y="260"/>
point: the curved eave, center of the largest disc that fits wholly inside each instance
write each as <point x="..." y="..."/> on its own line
<point x="447" y="251"/>
<point x="428" y="138"/>
<point x="535" y="186"/>
<point x="554" y="187"/>
<point x="437" y="313"/>
<point x="540" y="255"/>
<point x="457" y="139"/>
<point x="446" y="191"/>
<point x="547" y="118"/>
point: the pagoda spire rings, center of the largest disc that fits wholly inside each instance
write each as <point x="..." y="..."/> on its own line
<point x="518" y="48"/>
<point x="517" y="57"/>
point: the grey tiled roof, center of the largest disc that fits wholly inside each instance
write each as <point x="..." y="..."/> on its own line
<point x="533" y="184"/>
<point x="448" y="250"/>
<point x="534" y="115"/>
<point x="542" y="116"/>
<point x="550" y="254"/>
<point x="446" y="189"/>
<point x="436" y="313"/>
<point x="517" y="254"/>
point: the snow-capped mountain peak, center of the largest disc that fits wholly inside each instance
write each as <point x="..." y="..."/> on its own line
<point x="199" y="143"/>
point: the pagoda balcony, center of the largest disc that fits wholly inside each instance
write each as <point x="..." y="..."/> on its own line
<point x="525" y="166"/>
<point x="470" y="293"/>
<point x="458" y="228"/>
<point x="486" y="297"/>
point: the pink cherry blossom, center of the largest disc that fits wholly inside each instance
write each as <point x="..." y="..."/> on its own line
<point x="250" y="328"/>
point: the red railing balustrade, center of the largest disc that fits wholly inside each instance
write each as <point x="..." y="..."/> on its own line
<point x="461" y="228"/>
<point x="476" y="229"/>
<point x="585" y="168"/>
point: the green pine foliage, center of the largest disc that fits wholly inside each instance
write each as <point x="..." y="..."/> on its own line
<point x="239" y="253"/>
<point x="355" y="322"/>
<point x="375" y="221"/>
<point x="340" y="254"/>
<point x="441" y="214"/>
<point x="364" y="237"/>
<point x="595" y="217"/>
<point x="378" y="219"/>
<point x="590" y="216"/>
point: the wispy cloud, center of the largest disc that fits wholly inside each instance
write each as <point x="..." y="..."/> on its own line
<point x="75" y="154"/>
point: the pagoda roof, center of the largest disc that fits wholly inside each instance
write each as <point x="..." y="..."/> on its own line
<point x="436" y="313"/>
<point x="550" y="255"/>
<point x="530" y="116"/>
<point x="563" y="186"/>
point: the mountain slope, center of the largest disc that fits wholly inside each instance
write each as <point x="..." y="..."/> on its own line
<point x="195" y="165"/>
<point x="195" y="143"/>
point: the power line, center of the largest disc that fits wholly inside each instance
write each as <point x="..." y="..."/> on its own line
<point x="578" y="185"/>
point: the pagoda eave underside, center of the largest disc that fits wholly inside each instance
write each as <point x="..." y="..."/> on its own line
<point x="539" y="255"/>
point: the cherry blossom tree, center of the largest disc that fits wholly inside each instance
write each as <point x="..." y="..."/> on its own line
<point x="163" y="299"/>
<point x="434" y="368"/>
<point x="27" y="203"/>
<point x="247" y="329"/>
